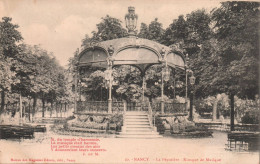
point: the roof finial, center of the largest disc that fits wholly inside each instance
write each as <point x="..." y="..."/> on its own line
<point x="131" y="21"/>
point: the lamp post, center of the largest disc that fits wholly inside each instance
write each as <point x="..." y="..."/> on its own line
<point x="165" y="77"/>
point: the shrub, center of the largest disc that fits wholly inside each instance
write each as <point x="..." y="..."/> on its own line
<point x="159" y="125"/>
<point x="251" y="117"/>
<point x="117" y="120"/>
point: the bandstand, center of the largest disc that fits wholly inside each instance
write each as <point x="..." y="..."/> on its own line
<point x="138" y="52"/>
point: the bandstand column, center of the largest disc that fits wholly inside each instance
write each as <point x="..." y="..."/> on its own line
<point x="110" y="96"/>
<point x="162" y="100"/>
<point x="186" y="81"/>
<point x="76" y="90"/>
<point x="108" y="77"/>
<point x="110" y="60"/>
<point x="79" y="90"/>
<point x="143" y="88"/>
<point x="186" y="89"/>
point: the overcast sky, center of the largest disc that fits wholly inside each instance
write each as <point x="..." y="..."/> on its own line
<point x="60" y="25"/>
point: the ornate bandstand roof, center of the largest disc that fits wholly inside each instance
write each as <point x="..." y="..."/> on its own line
<point x="131" y="50"/>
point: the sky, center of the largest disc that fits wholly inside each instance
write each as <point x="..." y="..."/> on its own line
<point x="60" y="25"/>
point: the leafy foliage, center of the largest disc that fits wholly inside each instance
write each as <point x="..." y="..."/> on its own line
<point x="29" y="71"/>
<point x="9" y="37"/>
<point x="109" y="28"/>
<point x="237" y="34"/>
<point x="153" y="31"/>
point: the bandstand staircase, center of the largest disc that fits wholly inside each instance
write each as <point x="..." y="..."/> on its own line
<point x="138" y="125"/>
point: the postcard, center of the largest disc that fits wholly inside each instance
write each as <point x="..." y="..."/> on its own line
<point x="129" y="81"/>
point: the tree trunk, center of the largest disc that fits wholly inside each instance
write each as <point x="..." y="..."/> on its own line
<point x="2" y="101"/>
<point x="29" y="110"/>
<point x="218" y="113"/>
<point x="56" y="109"/>
<point x="43" y="107"/>
<point x="232" y="112"/>
<point x="60" y="109"/>
<point x="65" y="109"/>
<point x="51" y="108"/>
<point x="34" y="106"/>
<point x="215" y="107"/>
<point x="21" y="107"/>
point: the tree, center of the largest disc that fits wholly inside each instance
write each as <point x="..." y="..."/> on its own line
<point x="227" y="63"/>
<point x="40" y="76"/>
<point x="236" y="30"/>
<point x="199" y="31"/>
<point x="144" y="31"/>
<point x="7" y="78"/>
<point x="86" y="42"/>
<point x="109" y="28"/>
<point x="9" y="37"/>
<point x="153" y="31"/>
<point x="176" y="32"/>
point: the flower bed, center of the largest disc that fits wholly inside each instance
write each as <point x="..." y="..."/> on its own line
<point x="95" y="121"/>
<point x="180" y="126"/>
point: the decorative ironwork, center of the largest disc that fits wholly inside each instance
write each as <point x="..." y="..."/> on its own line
<point x="131" y="20"/>
<point x="179" y="84"/>
<point x="110" y="50"/>
<point x="187" y="61"/>
<point x="99" y="106"/>
<point x="130" y="51"/>
<point x="163" y="52"/>
<point x="166" y="74"/>
<point x="110" y="59"/>
<point x="192" y="80"/>
<point x="92" y="106"/>
<point x="170" y="108"/>
<point x="117" y="106"/>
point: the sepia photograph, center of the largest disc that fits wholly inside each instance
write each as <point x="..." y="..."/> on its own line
<point x="129" y="81"/>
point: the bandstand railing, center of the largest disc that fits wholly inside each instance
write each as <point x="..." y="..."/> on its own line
<point x="99" y="106"/>
<point x="169" y="107"/>
<point x="175" y="108"/>
<point x="121" y="106"/>
<point x="137" y="106"/>
<point x="117" y="106"/>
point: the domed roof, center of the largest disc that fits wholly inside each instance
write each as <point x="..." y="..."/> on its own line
<point x="132" y="50"/>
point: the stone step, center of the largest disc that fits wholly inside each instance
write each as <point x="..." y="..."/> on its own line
<point x="138" y="126"/>
<point x="136" y="118"/>
<point x="139" y="133"/>
<point x="139" y="136"/>
<point x="139" y="130"/>
<point x="136" y="114"/>
<point x="137" y="123"/>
